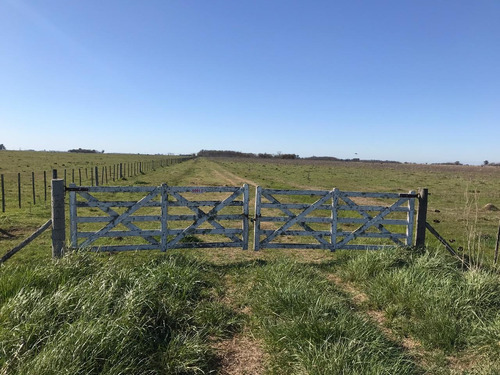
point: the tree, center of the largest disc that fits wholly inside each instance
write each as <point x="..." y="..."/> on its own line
<point x="486" y="162"/>
<point x="2" y="147"/>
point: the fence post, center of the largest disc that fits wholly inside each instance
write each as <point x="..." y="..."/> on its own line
<point x="33" y="187"/>
<point x="96" y="176"/>
<point x="3" y="195"/>
<point x="19" y="188"/>
<point x="497" y="244"/>
<point x="45" y="185"/>
<point x="58" y="219"/>
<point x="410" y="218"/>
<point x="421" y="217"/>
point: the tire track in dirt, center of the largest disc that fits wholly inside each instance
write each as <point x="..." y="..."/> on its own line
<point x="242" y="354"/>
<point x="461" y="362"/>
<point x="230" y="177"/>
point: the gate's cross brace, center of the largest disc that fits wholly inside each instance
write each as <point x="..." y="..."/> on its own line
<point x="367" y="216"/>
<point x="290" y="214"/>
<point x="117" y="218"/>
<point x="203" y="217"/>
<point x="370" y="223"/>
<point x="295" y="219"/>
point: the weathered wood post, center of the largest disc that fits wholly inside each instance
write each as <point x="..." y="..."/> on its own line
<point x="58" y="219"/>
<point x="33" y="187"/>
<point x="3" y="195"/>
<point x="45" y="185"/>
<point x="96" y="176"/>
<point x="19" y="188"/>
<point x="421" y="217"/>
<point x="497" y="244"/>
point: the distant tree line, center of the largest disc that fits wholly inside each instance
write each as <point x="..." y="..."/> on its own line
<point x="279" y="155"/>
<point x="237" y="154"/>
<point x="85" y="151"/>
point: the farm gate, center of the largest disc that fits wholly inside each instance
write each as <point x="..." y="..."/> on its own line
<point x="332" y="219"/>
<point x="167" y="217"/>
<point x="162" y="217"/>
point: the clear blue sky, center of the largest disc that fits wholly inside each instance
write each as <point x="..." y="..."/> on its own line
<point x="415" y="80"/>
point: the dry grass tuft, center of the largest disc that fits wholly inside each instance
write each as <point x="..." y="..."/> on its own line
<point x="241" y="355"/>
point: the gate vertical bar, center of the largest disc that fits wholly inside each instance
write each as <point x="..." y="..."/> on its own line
<point x="256" y="229"/>
<point x="164" y="216"/>
<point x="410" y="219"/>
<point x="245" y="216"/>
<point x="335" y="203"/>
<point x="73" y="217"/>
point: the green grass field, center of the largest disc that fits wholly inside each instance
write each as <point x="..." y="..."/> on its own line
<point x="230" y="311"/>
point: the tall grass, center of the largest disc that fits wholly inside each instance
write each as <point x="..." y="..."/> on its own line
<point x="309" y="328"/>
<point x="431" y="297"/>
<point x="82" y="316"/>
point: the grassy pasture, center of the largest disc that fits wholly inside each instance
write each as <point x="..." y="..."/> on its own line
<point x="273" y="311"/>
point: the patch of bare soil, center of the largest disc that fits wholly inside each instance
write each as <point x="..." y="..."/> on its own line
<point x="241" y="355"/>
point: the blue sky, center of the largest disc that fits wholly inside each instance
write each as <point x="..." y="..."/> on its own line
<point x="414" y="81"/>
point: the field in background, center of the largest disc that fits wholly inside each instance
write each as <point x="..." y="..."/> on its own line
<point x="462" y="198"/>
<point x="280" y="311"/>
<point x="460" y="202"/>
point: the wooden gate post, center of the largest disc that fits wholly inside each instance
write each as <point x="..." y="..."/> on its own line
<point x="421" y="217"/>
<point x="58" y="219"/>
